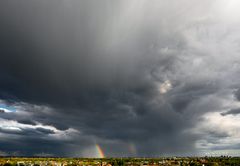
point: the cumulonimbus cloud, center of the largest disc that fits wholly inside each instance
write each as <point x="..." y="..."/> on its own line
<point x="121" y="74"/>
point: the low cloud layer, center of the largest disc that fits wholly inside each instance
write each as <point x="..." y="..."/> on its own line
<point x="137" y="78"/>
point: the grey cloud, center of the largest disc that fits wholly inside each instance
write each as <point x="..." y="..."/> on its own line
<point x="237" y="94"/>
<point x="27" y="121"/>
<point x="231" y="112"/>
<point x="45" y="131"/>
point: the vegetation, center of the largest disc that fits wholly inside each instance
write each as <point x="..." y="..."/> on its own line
<point x="175" y="161"/>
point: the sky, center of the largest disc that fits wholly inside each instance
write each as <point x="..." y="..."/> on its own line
<point x="119" y="78"/>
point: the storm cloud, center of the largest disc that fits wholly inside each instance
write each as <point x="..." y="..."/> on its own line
<point x="138" y="78"/>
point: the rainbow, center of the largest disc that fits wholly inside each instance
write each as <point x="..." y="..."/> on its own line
<point x="99" y="151"/>
<point x="132" y="149"/>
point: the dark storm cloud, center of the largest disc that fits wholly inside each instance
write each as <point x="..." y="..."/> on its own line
<point x="103" y="69"/>
<point x="186" y="94"/>
<point x="237" y="94"/>
<point x="231" y="112"/>
<point x="28" y="146"/>
<point x="42" y="60"/>
<point x="27" y="121"/>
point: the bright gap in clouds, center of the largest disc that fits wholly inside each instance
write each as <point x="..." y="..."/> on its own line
<point x="231" y="8"/>
<point x="7" y="108"/>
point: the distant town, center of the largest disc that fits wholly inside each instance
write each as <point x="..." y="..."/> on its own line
<point x="170" y="161"/>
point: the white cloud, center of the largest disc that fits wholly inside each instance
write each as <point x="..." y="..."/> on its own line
<point x="12" y="125"/>
<point x="165" y="87"/>
<point x="218" y="134"/>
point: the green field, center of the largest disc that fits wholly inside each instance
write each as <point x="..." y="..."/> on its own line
<point x="173" y="161"/>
